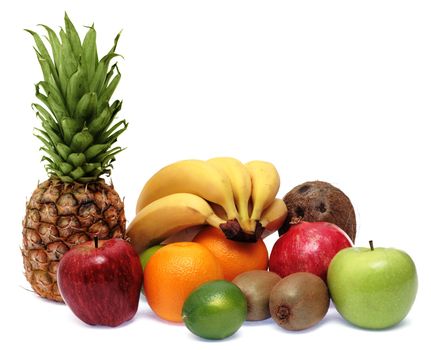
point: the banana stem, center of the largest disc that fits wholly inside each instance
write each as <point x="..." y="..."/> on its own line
<point x="233" y="231"/>
<point x="247" y="225"/>
<point x="256" y="213"/>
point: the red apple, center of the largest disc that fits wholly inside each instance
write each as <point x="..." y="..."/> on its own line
<point x="307" y="247"/>
<point x="101" y="281"/>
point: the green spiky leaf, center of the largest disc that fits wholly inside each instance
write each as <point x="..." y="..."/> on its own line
<point x="77" y="86"/>
<point x="100" y="123"/>
<point x="65" y="168"/>
<point x="81" y="141"/>
<point x="89" y="49"/>
<point x="70" y="127"/>
<point x="76" y="159"/>
<point x="63" y="150"/>
<point x="55" y="45"/>
<point x="73" y="36"/>
<point x="78" y="132"/>
<point x="86" y="107"/>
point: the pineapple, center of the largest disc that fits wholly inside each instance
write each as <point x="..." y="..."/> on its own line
<point x="78" y="134"/>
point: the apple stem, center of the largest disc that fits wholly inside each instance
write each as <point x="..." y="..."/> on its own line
<point x="371" y="244"/>
<point x="96" y="242"/>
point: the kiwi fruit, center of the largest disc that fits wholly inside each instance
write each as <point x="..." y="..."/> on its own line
<point x="319" y="201"/>
<point x="299" y="301"/>
<point x="256" y="286"/>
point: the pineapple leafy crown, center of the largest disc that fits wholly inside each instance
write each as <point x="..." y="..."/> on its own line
<point x="78" y="126"/>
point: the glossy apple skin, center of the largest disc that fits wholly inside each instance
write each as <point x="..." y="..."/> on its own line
<point x="101" y="285"/>
<point x="373" y="289"/>
<point x="307" y="247"/>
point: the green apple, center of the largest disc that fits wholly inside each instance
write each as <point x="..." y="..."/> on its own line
<point x="372" y="288"/>
<point x="145" y="257"/>
<point x="147" y="254"/>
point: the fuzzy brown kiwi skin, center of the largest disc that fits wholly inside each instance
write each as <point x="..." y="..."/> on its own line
<point x="299" y="301"/>
<point x="256" y="286"/>
<point x="319" y="201"/>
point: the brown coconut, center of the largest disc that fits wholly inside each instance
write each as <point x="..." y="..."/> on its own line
<point x="319" y="201"/>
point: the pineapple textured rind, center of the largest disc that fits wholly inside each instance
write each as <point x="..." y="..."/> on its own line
<point x="61" y="215"/>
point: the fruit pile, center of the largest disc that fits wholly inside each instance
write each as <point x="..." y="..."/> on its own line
<point x="196" y="246"/>
<point x="197" y="273"/>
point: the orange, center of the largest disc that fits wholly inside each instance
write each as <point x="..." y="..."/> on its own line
<point x="173" y="272"/>
<point x="234" y="257"/>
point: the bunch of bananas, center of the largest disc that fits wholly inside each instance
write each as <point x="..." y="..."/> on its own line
<point x="238" y="198"/>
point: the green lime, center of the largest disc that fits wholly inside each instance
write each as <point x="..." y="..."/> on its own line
<point x="215" y="310"/>
<point x="148" y="253"/>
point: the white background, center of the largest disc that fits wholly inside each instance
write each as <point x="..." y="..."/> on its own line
<point x="331" y="90"/>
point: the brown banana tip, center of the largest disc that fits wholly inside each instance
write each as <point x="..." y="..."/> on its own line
<point x="233" y="231"/>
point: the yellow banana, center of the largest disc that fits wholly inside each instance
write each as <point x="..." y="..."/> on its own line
<point x="273" y="217"/>
<point x="241" y="185"/>
<point x="190" y="176"/>
<point x="169" y="215"/>
<point x="265" y="182"/>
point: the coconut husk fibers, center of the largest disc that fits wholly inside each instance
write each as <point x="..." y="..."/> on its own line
<point x="319" y="201"/>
